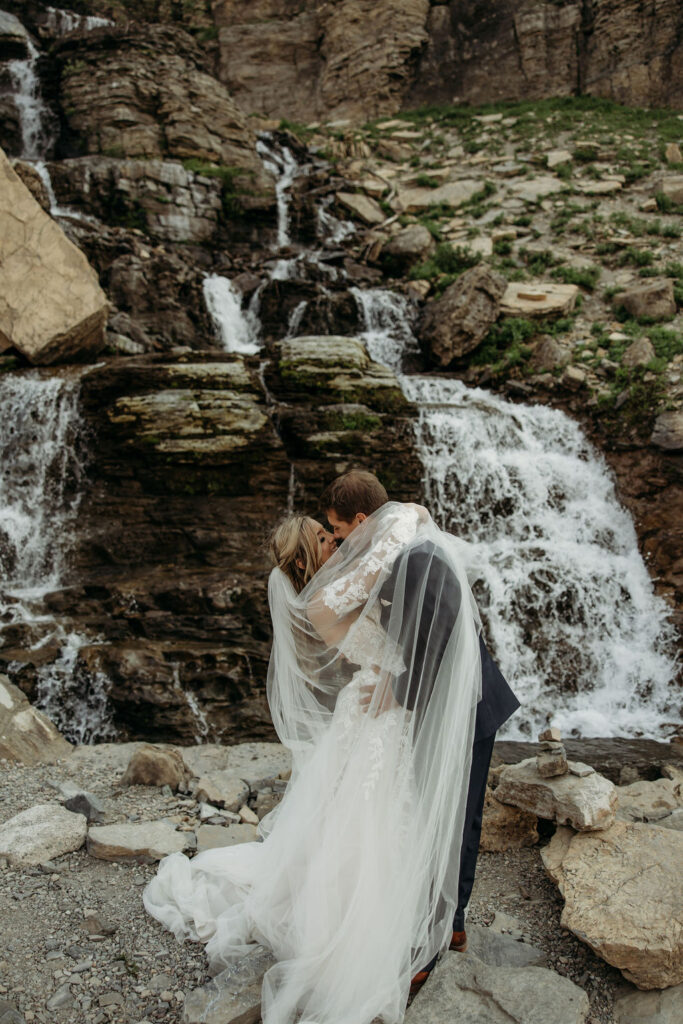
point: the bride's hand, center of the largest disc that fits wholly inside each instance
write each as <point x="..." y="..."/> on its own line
<point x="385" y="702"/>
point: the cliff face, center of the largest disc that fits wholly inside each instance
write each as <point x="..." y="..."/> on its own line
<point x="363" y="58"/>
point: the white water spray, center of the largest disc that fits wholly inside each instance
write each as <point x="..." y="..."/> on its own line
<point x="61" y="23"/>
<point x="36" y="136"/>
<point x="283" y="166"/>
<point x="237" y="329"/>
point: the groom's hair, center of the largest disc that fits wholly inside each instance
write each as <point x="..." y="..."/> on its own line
<point x="353" y="492"/>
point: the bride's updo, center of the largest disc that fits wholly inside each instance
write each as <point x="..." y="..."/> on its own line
<point x="295" y="549"/>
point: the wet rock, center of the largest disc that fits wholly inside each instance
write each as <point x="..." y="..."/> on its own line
<point x="411" y="244"/>
<point x="639" y="353"/>
<point x="653" y="299"/>
<point x="496" y="995"/>
<point x="223" y="789"/>
<point x="27" y="735"/>
<point x="152" y="766"/>
<point x="52" y="308"/>
<point x="234" y="994"/>
<point x="585" y="803"/>
<point x="506" y="828"/>
<point x="210" y="837"/>
<point x="142" y="843"/>
<point x="41" y="833"/>
<point x="456" y="323"/>
<point x="538" y="298"/>
<point x="650" y="1007"/>
<point x="623" y="897"/>
<point x="668" y="431"/>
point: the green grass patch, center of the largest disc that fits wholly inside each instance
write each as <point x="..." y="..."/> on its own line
<point x="584" y="277"/>
<point x="446" y="259"/>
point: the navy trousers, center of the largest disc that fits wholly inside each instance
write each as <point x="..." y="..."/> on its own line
<point x="481" y="760"/>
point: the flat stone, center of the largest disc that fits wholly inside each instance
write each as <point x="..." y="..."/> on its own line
<point x="530" y="190"/>
<point x="60" y="999"/>
<point x="600" y="188"/>
<point x="586" y="804"/>
<point x="668" y="431"/>
<point x="41" y="833"/>
<point x="27" y="735"/>
<point x="650" y="1007"/>
<point x="452" y="193"/>
<point x="484" y="994"/>
<point x="648" y="801"/>
<point x="623" y="897"/>
<point x="551" y="763"/>
<point x="506" y="828"/>
<point x="210" y="837"/>
<point x="538" y="298"/>
<point x="87" y="804"/>
<point x="500" y="950"/>
<point x="233" y="996"/>
<point x="362" y="207"/>
<point x="223" y="789"/>
<point x="557" y="157"/>
<point x="143" y="842"/>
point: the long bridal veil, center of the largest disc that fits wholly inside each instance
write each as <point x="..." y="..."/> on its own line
<point x="373" y="683"/>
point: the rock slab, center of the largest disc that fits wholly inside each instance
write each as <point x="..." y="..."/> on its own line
<point x="52" y="308"/>
<point x="484" y="994"/>
<point x="623" y="897"/>
<point x="234" y="995"/>
<point x="586" y="802"/>
<point x="41" y="833"/>
<point x="142" y="843"/>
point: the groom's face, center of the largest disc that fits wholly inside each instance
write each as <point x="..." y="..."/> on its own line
<point x="340" y="527"/>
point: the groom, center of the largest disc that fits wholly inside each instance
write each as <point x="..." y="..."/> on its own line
<point x="348" y="501"/>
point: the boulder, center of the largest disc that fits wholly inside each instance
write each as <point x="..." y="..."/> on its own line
<point x="557" y="157"/>
<point x="671" y="187"/>
<point x="506" y="828"/>
<point x="34" y="183"/>
<point x="654" y="299"/>
<point x="587" y="803"/>
<point x="362" y="207"/>
<point x="152" y="766"/>
<point x="452" y="193"/>
<point x="487" y="994"/>
<point x="411" y="244"/>
<point x="41" y="833"/>
<point x="649" y="801"/>
<point x="639" y="353"/>
<point x="538" y="298"/>
<point x="650" y="1007"/>
<point x="27" y="735"/>
<point x="223" y="789"/>
<point x="210" y="837"/>
<point x="459" y="320"/>
<point x="532" y="190"/>
<point x="549" y="354"/>
<point x="234" y="994"/>
<point x="142" y="843"/>
<point x="623" y="897"/>
<point x="14" y="38"/>
<point x="668" y="431"/>
<point x="52" y="308"/>
<point x="499" y="950"/>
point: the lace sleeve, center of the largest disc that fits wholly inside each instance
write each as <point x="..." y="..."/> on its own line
<point x="366" y="644"/>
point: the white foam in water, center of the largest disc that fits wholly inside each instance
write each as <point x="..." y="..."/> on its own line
<point x="237" y="329"/>
<point x="570" y="608"/>
<point x="283" y="166"/>
<point x="33" y="114"/>
<point x="200" y="719"/>
<point x="330" y="229"/>
<point x="62" y="22"/>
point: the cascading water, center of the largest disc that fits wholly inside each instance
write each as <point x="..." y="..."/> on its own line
<point x="283" y="166"/>
<point x="40" y="477"/>
<point x="61" y="23"/>
<point x="238" y="329"/>
<point x="553" y="558"/>
<point x="34" y="117"/>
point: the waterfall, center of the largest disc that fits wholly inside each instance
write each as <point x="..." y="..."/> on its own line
<point x="61" y="23"/>
<point x="330" y="229"/>
<point x="237" y="329"/>
<point x="36" y="135"/>
<point x="569" y="606"/>
<point x="283" y="166"/>
<point x="40" y="476"/>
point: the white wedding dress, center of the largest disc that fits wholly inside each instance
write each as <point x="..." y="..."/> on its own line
<point x="339" y="886"/>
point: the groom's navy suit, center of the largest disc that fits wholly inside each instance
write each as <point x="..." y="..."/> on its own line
<point x="421" y="571"/>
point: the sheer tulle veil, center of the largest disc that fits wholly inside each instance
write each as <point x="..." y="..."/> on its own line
<point x="355" y="884"/>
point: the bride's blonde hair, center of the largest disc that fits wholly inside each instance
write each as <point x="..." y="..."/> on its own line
<point x="295" y="540"/>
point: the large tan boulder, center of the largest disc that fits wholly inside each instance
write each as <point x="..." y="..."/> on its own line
<point x="582" y="798"/>
<point x="52" y="308"/>
<point x="652" y="801"/>
<point x="27" y="735"/>
<point x="506" y="828"/>
<point x="623" y="897"/>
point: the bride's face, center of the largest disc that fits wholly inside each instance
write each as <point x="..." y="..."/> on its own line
<point x="328" y="545"/>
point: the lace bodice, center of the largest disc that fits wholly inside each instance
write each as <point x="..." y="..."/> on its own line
<point x="366" y="644"/>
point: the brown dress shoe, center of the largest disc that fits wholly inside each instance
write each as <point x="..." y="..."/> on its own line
<point x="459" y="942"/>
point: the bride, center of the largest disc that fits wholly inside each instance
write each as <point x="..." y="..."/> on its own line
<point x="354" y="885"/>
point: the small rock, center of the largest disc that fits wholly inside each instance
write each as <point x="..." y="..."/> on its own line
<point x="87" y="804"/>
<point x="60" y="999"/>
<point x="668" y="431"/>
<point x="143" y="843"/>
<point x="672" y="153"/>
<point x="152" y="766"/>
<point x="362" y="207"/>
<point x="639" y="353"/>
<point x="248" y="816"/>
<point x="549" y="354"/>
<point x="557" y="157"/>
<point x="222" y="789"/>
<point x="551" y="763"/>
<point x="551" y="735"/>
<point x="209" y="837"/>
<point x="654" y="299"/>
<point x="574" y="378"/>
<point x="538" y="298"/>
<point x="233" y="995"/>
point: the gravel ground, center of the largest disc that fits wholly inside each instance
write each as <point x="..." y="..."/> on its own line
<point x="137" y="971"/>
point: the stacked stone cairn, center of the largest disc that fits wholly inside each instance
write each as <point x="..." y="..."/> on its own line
<point x="552" y="759"/>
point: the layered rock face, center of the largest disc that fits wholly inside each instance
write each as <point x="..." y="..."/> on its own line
<point x="187" y="475"/>
<point x="364" y="58"/>
<point x="51" y="305"/>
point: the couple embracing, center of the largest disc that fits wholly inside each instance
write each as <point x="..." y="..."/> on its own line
<point x="383" y="690"/>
